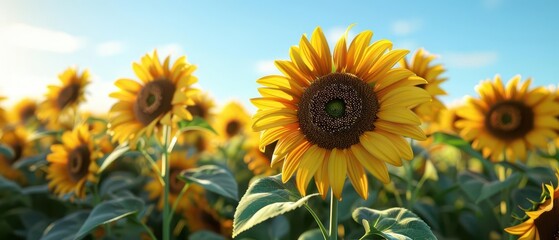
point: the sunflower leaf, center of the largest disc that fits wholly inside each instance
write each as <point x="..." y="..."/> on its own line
<point x="65" y="228"/>
<point x="313" y="234"/>
<point x="393" y="223"/>
<point x="197" y="123"/>
<point x="7" y="151"/>
<point x="39" y="135"/>
<point x="479" y="189"/>
<point x="110" y="211"/>
<point x="214" y="179"/>
<point x="266" y="198"/>
<point x="121" y="149"/>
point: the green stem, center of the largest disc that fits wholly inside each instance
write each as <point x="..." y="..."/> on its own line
<point x="165" y="170"/>
<point x="317" y="220"/>
<point x="176" y="203"/>
<point x="148" y="231"/>
<point x="333" y="217"/>
<point x="153" y="165"/>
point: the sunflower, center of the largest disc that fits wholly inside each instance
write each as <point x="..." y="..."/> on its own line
<point x="339" y="114"/>
<point x="232" y="121"/>
<point x="201" y="216"/>
<point x="543" y="222"/>
<point x="73" y="163"/>
<point x="203" y="108"/>
<point x="24" y="111"/>
<point x="419" y="65"/>
<point x="159" y="99"/>
<point x="62" y="100"/>
<point x="259" y="161"/>
<point x="178" y="162"/>
<point x="16" y="139"/>
<point x="506" y="122"/>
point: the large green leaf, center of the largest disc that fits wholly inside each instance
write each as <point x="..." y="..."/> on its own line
<point x="393" y="223"/>
<point x="121" y="149"/>
<point x="214" y="179"/>
<point x="7" y="151"/>
<point x="313" y="234"/>
<point x="66" y="227"/>
<point x="479" y="189"/>
<point x="110" y="211"/>
<point x="266" y="198"/>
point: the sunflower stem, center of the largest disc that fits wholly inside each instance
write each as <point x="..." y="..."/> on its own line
<point x="165" y="170"/>
<point x="176" y="203"/>
<point x="333" y="217"/>
<point x="317" y="220"/>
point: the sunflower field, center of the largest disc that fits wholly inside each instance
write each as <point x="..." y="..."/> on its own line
<point x="350" y="141"/>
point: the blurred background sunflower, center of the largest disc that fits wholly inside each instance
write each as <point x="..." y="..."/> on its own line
<point x="24" y="111"/>
<point x="232" y="121"/>
<point x="201" y="216"/>
<point x="179" y="161"/>
<point x="16" y="138"/>
<point x="160" y="98"/>
<point x="73" y="162"/>
<point x="420" y="64"/>
<point x="508" y="122"/>
<point x="62" y="101"/>
<point x="335" y="115"/>
<point x="203" y="107"/>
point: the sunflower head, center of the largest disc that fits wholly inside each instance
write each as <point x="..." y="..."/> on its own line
<point x="201" y="216"/>
<point x="504" y="122"/>
<point x="203" y="107"/>
<point x="232" y="121"/>
<point x="61" y="100"/>
<point x="73" y="162"/>
<point x="17" y="139"/>
<point x="178" y="162"/>
<point x="335" y="115"/>
<point x="258" y="161"/>
<point x="24" y="111"/>
<point x="160" y="97"/>
<point x="420" y="64"/>
<point x="542" y="222"/>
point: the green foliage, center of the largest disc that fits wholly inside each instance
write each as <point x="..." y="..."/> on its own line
<point x="197" y="123"/>
<point x="212" y="178"/>
<point x="119" y="151"/>
<point x="393" y="223"/>
<point x="110" y="211"/>
<point x="266" y="198"/>
<point x="7" y="151"/>
<point x="479" y="189"/>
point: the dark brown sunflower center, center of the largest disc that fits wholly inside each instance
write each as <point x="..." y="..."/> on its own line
<point x="153" y="100"/>
<point x="233" y="128"/>
<point x="27" y="112"/>
<point x="176" y="184"/>
<point x="196" y="111"/>
<point x="78" y="162"/>
<point x="548" y="222"/>
<point x="68" y="95"/>
<point x="509" y="120"/>
<point x="336" y="109"/>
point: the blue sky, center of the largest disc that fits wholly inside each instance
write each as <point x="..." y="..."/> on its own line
<point x="233" y="43"/>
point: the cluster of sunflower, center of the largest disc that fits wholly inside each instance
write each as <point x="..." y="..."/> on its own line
<point x="164" y="163"/>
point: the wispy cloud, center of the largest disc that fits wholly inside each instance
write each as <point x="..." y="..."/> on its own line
<point x="36" y="38"/>
<point x="266" y="67"/>
<point x="470" y="59"/>
<point x="406" y="27"/>
<point x="175" y="50"/>
<point x="110" y="48"/>
<point x="334" y="34"/>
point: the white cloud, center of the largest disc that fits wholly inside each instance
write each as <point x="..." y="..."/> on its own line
<point x="470" y="59"/>
<point x="334" y="34"/>
<point x="175" y="50"/>
<point x="266" y="67"/>
<point x="110" y="48"/>
<point x="97" y="95"/>
<point x="406" y="27"/>
<point x="36" y="38"/>
<point x="406" y="44"/>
